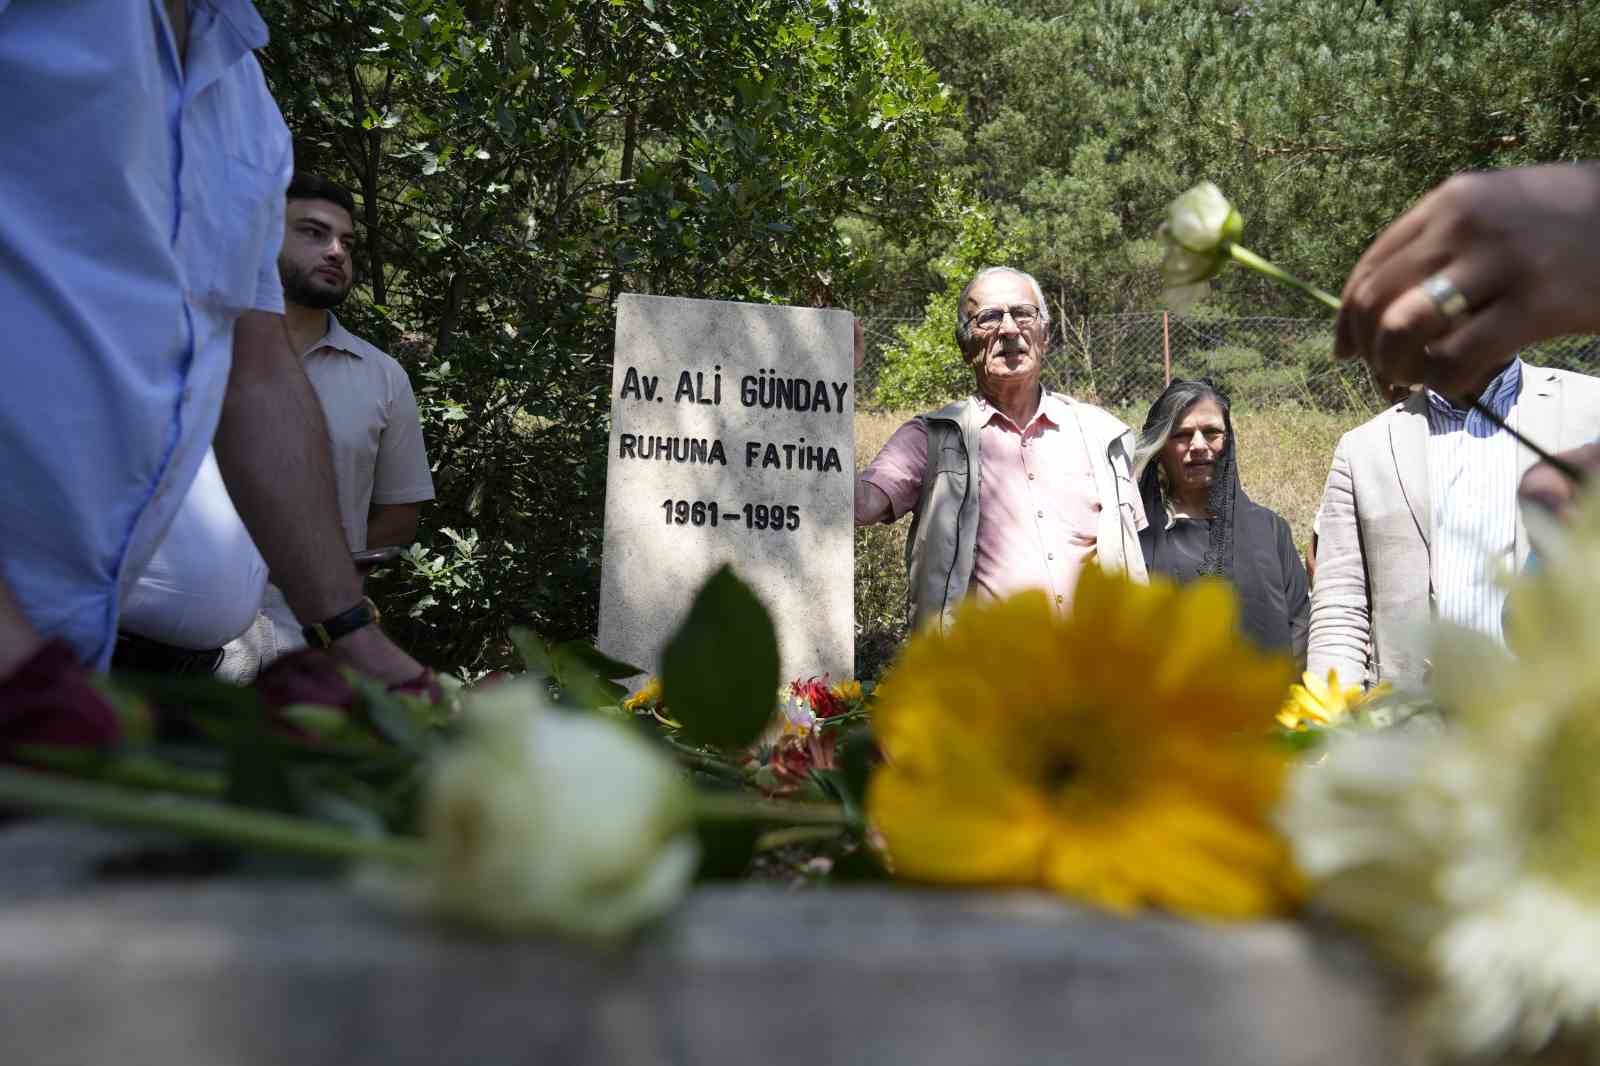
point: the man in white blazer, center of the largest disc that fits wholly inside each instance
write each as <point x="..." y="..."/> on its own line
<point x="1420" y="511"/>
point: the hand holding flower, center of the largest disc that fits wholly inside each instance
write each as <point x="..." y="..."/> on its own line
<point x="1518" y="244"/>
<point x="1200" y="231"/>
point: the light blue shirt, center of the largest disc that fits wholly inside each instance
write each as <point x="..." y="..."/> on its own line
<point x="1472" y="478"/>
<point x="141" y="210"/>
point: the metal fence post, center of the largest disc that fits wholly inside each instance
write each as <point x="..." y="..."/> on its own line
<point x="1166" y="349"/>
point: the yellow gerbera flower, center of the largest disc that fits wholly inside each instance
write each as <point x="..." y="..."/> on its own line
<point x="848" y="690"/>
<point x="647" y="696"/>
<point x="1120" y="756"/>
<point x="1323" y="702"/>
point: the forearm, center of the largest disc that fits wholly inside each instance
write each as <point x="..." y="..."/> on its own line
<point x="272" y="447"/>
<point x="1341" y="624"/>
<point x="1340" y="628"/>
<point x="394" y="523"/>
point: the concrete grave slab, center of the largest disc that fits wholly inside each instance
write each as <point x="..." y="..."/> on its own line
<point x="228" y="971"/>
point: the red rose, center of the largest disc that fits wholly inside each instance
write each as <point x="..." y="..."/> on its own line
<point x="50" y="700"/>
<point x="817" y="694"/>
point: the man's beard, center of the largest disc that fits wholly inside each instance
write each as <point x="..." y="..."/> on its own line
<point x="299" y="289"/>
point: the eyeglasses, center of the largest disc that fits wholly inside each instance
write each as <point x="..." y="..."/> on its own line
<point x="988" y="318"/>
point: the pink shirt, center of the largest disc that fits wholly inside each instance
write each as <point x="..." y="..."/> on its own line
<point x="1038" y="509"/>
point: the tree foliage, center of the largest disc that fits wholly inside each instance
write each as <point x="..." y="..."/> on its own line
<point x="1321" y="119"/>
<point x="517" y="165"/>
<point x="924" y="364"/>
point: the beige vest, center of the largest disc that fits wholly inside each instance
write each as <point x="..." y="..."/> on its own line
<point x="944" y="529"/>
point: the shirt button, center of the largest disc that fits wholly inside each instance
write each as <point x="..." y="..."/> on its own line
<point x="1058" y="599"/>
<point x="1030" y="477"/>
<point x="1050" y="555"/>
<point x="1041" y="514"/>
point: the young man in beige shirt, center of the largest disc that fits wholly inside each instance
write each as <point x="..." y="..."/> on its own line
<point x="379" y="459"/>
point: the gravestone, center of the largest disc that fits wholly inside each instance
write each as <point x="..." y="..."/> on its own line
<point x="731" y="442"/>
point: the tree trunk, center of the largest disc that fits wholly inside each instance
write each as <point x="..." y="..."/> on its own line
<point x="451" y="315"/>
<point x="630" y="142"/>
<point x="369" y="204"/>
<point x="371" y="157"/>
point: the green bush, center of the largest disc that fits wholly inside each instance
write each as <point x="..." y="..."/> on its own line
<point x="924" y="367"/>
<point x="1245" y="375"/>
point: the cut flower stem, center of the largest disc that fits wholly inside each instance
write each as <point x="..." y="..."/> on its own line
<point x="114" y="805"/>
<point x="722" y="807"/>
<point x="1246" y="257"/>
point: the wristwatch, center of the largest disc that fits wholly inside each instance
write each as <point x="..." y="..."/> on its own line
<point x="322" y="634"/>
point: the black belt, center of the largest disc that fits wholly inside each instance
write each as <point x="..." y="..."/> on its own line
<point x="146" y="656"/>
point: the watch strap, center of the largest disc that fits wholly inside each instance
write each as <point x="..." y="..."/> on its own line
<point x="322" y="634"/>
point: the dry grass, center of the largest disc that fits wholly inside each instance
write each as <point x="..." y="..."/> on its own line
<point x="1284" y="456"/>
<point x="880" y="562"/>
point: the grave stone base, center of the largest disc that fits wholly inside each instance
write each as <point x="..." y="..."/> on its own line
<point x="222" y="970"/>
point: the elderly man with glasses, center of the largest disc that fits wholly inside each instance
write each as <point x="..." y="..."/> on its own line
<point x="1014" y="487"/>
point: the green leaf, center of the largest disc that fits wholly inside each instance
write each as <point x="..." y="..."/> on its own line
<point x="856" y="754"/>
<point x="323" y="723"/>
<point x="719" y="672"/>
<point x="534" y="651"/>
<point x="388" y="715"/>
<point x="598" y="662"/>
<point x="583" y="674"/>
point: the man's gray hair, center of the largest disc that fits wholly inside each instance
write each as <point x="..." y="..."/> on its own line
<point x="964" y="324"/>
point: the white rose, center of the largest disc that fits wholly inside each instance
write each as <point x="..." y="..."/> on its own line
<point x="552" y="820"/>
<point x="1202" y="218"/>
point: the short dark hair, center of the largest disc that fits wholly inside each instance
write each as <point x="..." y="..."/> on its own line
<point x="316" y="187"/>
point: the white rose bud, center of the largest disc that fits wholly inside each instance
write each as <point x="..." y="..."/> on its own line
<point x="1199" y="226"/>
<point x="1202" y="219"/>
<point x="541" y="819"/>
<point x="1201" y="234"/>
<point x="1180" y="266"/>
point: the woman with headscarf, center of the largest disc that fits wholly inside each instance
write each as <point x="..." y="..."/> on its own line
<point x="1202" y="523"/>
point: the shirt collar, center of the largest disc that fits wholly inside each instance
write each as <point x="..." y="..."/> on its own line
<point x="1052" y="408"/>
<point x="1497" y="395"/>
<point x="339" y="339"/>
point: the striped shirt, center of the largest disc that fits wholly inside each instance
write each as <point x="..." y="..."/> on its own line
<point x="1472" y="479"/>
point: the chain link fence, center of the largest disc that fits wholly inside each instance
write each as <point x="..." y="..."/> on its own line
<point x="1124" y="361"/>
